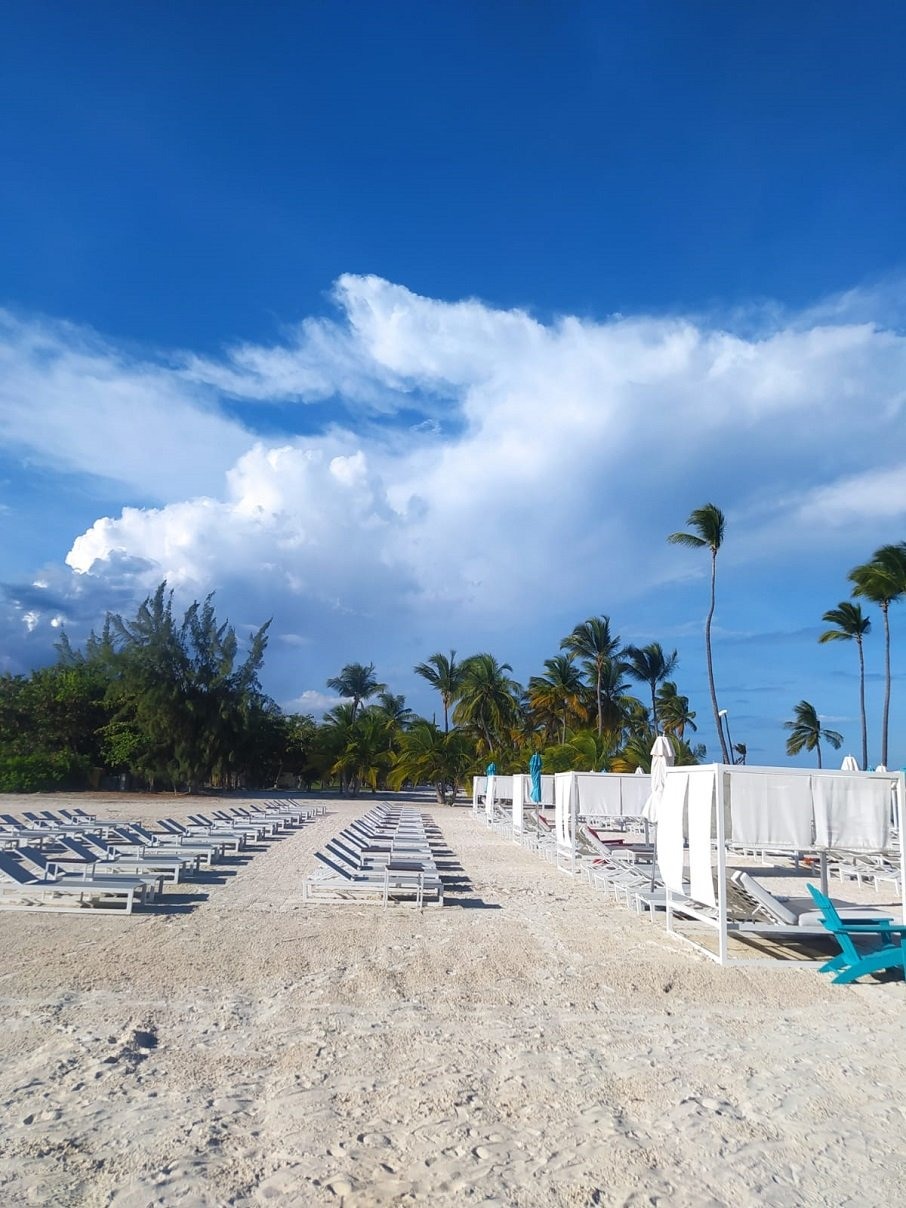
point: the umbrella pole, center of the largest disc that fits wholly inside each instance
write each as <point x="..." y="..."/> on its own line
<point x="823" y="873"/>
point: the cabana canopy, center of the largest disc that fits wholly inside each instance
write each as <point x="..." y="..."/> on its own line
<point x="772" y="809"/>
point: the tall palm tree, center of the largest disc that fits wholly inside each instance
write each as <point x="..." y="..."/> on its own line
<point x="356" y="682"/>
<point x="593" y="643"/>
<point x="883" y="580"/>
<point x="851" y="626"/>
<point x="488" y="699"/>
<point x="649" y="665"/>
<point x="709" y="524"/>
<point x="806" y="731"/>
<point x="674" y="711"/>
<point x="559" y="693"/>
<point x="444" y="674"/>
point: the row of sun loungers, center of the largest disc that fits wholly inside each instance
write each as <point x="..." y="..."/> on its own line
<point x="70" y="860"/>
<point x="386" y="855"/>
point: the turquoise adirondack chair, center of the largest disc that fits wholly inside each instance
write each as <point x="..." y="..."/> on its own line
<point x="887" y="952"/>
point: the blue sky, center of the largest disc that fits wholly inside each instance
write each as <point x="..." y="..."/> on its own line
<point x="420" y="326"/>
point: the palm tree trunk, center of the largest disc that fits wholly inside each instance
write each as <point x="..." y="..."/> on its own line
<point x="654" y="710"/>
<point x="862" y="705"/>
<point x="818" y="749"/>
<point x="886" y="714"/>
<point x="446" y="715"/>
<point x="717" y="725"/>
<point x="599" y="669"/>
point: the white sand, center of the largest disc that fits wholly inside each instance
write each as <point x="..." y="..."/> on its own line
<point x="529" y="1044"/>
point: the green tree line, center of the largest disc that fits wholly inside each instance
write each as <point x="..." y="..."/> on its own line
<point x="170" y="702"/>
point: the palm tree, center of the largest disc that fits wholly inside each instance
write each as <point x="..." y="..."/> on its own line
<point x="558" y="694"/>
<point x="356" y="683"/>
<point x="649" y="665"/>
<point x="883" y="580"/>
<point x="365" y="755"/>
<point x="488" y="699"/>
<point x="593" y="642"/>
<point x="851" y="625"/>
<point x="445" y="675"/>
<point x="427" y="755"/>
<point x="675" y="713"/>
<point x="394" y="708"/>
<point x="620" y="710"/>
<point x="709" y="525"/>
<point x="806" y="731"/>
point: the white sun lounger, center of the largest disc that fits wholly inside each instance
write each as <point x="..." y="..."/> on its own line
<point x="22" y="890"/>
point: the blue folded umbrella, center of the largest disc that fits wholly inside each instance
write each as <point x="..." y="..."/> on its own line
<point x="534" y="768"/>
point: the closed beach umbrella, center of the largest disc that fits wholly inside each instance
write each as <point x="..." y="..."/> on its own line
<point x="849" y="764"/>
<point x="662" y="758"/>
<point x="534" y="767"/>
<point x="492" y="769"/>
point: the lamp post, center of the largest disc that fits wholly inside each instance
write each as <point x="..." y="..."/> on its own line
<point x="725" y="718"/>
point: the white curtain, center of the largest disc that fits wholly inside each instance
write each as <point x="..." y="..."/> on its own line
<point x="701" y="816"/>
<point x="520" y="791"/>
<point x="671" y="830"/>
<point x="599" y="794"/>
<point x="851" y="812"/>
<point x="634" y="792"/>
<point x="768" y="809"/>
<point x="489" y="791"/>
<point x="564" y="807"/>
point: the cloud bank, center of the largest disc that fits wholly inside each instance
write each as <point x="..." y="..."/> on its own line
<point x="479" y="472"/>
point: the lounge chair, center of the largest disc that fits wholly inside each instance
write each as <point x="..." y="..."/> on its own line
<point x="232" y="840"/>
<point x="149" y="886"/>
<point x="137" y="838"/>
<point x="785" y="914"/>
<point x="340" y="884"/>
<point x="238" y="826"/>
<point x="93" y="848"/>
<point x="866" y="947"/>
<point x="21" y="889"/>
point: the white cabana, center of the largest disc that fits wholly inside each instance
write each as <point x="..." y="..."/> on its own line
<point x="501" y="790"/>
<point x="522" y="796"/>
<point x="771" y="809"/>
<point x="592" y="795"/>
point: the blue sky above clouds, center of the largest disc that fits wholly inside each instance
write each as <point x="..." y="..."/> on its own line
<point x="422" y="326"/>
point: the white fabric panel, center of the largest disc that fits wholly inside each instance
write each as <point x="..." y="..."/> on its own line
<point x="564" y="804"/>
<point x="670" y="830"/>
<point x="521" y="787"/>
<point x="503" y="788"/>
<point x="490" y="789"/>
<point x="479" y="787"/>
<point x="634" y="792"/>
<point x="768" y="809"/>
<point x="851" y="812"/>
<point x="701" y="816"/>
<point x="599" y="794"/>
<point x="547" y="790"/>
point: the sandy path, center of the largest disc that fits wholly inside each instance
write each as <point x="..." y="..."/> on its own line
<point x="527" y="1045"/>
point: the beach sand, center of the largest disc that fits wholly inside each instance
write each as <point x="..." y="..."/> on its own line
<point x="528" y="1044"/>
